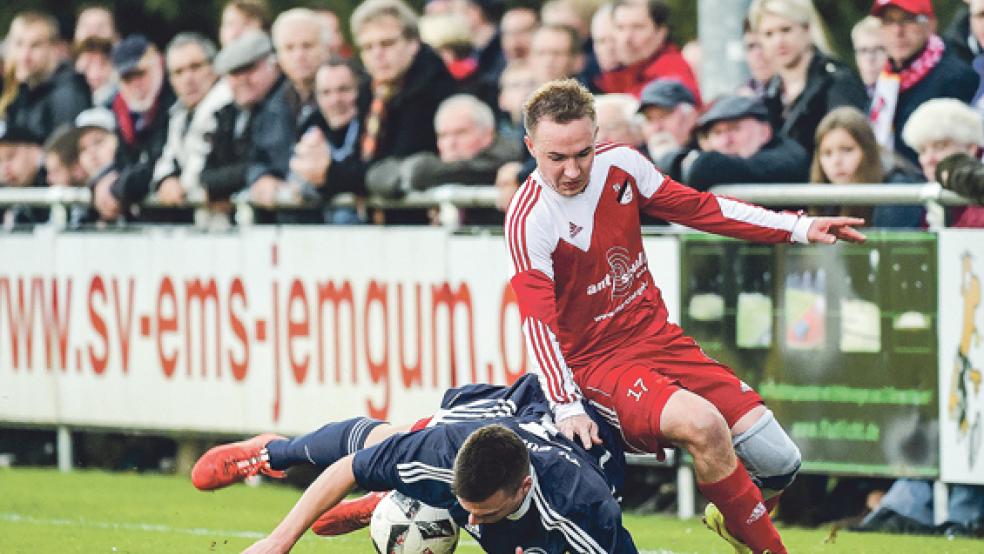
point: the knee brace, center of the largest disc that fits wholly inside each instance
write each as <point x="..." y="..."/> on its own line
<point x="769" y="455"/>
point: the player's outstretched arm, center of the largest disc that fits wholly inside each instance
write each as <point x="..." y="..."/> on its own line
<point x="828" y="230"/>
<point x="327" y="490"/>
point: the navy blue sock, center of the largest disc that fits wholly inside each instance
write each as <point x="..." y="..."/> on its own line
<point x="324" y="446"/>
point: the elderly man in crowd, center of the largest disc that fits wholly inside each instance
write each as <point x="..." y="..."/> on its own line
<point x="669" y="118"/>
<point x="618" y="120"/>
<point x="49" y="92"/>
<point x="469" y="152"/>
<point x="739" y="146"/>
<point x="300" y="42"/>
<point x="251" y="69"/>
<point x="141" y="110"/>
<point x="642" y="40"/>
<point x="200" y="95"/>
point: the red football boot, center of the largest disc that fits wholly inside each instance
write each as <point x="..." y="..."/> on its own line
<point x="230" y="463"/>
<point x="347" y="516"/>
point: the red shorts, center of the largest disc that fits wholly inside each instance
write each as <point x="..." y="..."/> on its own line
<point x="630" y="387"/>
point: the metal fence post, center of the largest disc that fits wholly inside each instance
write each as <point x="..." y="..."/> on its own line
<point x="63" y="448"/>
<point x="686" y="497"/>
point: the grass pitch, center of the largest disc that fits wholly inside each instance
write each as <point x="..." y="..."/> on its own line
<point x="95" y="512"/>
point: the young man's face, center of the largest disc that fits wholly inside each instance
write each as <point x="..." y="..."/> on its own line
<point x="498" y="506"/>
<point x="636" y="36"/>
<point x="551" y="55"/>
<point x="336" y="91"/>
<point x="97" y="148"/>
<point x="564" y="153"/>
<point x="19" y="164"/>
<point x="236" y="23"/>
<point x="30" y="49"/>
<point x="386" y="53"/>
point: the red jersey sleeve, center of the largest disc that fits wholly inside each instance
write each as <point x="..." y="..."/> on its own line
<point x="667" y="199"/>
<point x="530" y="244"/>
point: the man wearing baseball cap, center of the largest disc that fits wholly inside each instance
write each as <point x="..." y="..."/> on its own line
<point x="670" y="113"/>
<point x="140" y="109"/>
<point x="919" y="68"/>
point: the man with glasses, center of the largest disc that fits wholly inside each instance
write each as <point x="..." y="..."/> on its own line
<point x="192" y="118"/>
<point x="919" y="68"/>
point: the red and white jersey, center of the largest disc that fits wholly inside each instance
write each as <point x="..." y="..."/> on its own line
<point x="580" y="273"/>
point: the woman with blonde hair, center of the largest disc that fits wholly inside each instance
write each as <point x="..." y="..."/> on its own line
<point x="847" y="153"/>
<point x="808" y="82"/>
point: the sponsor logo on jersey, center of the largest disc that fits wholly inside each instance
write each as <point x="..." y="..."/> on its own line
<point x="757" y="514"/>
<point x="623" y="192"/>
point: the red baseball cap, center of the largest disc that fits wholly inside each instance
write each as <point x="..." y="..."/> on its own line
<point x="917" y="7"/>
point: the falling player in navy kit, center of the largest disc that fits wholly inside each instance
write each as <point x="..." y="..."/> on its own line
<point x="518" y="483"/>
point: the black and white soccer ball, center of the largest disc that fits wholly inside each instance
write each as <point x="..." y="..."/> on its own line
<point x="403" y="525"/>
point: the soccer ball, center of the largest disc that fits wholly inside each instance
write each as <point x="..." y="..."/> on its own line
<point x="403" y="525"/>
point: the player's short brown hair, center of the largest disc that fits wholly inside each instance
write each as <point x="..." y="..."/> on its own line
<point x="493" y="458"/>
<point x="560" y="101"/>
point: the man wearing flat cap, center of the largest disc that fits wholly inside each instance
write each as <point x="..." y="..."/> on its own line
<point x="670" y="113"/>
<point x="919" y="68"/>
<point x="141" y="110"/>
<point x="21" y="165"/>
<point x="737" y="145"/>
<point x="242" y="144"/>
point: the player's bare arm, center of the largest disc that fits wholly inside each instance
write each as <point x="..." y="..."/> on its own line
<point x="327" y="490"/>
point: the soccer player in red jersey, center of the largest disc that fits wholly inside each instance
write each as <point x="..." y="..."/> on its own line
<point x="597" y="325"/>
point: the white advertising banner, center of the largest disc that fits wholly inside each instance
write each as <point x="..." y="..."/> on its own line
<point x="263" y="329"/>
<point x="961" y="332"/>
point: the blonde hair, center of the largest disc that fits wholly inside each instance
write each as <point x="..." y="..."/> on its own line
<point x="943" y="119"/>
<point x="373" y="9"/>
<point x="561" y="101"/>
<point x="868" y="25"/>
<point x="445" y="31"/>
<point x="799" y="11"/>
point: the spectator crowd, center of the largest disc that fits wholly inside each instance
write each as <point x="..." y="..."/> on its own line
<point x="285" y="112"/>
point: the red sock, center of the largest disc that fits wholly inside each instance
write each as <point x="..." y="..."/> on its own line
<point x="771" y="503"/>
<point x="744" y="512"/>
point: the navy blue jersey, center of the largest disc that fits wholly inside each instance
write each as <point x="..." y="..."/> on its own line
<point x="571" y="507"/>
<point x="525" y="399"/>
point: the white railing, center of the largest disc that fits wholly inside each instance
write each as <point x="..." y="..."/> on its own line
<point x="450" y="198"/>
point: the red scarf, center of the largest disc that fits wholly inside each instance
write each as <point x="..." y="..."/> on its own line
<point x="124" y="118"/>
<point x="891" y="84"/>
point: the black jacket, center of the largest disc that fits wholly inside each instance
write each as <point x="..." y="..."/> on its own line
<point x="225" y="166"/>
<point x="349" y="173"/>
<point x="54" y="102"/>
<point x="393" y="177"/>
<point x="781" y="160"/>
<point x="136" y="161"/>
<point x="274" y="132"/>
<point x="958" y="37"/>
<point x="829" y="84"/>
<point x="408" y="124"/>
<point x="951" y="78"/>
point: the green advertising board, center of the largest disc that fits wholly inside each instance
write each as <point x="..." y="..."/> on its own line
<point x="839" y="340"/>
